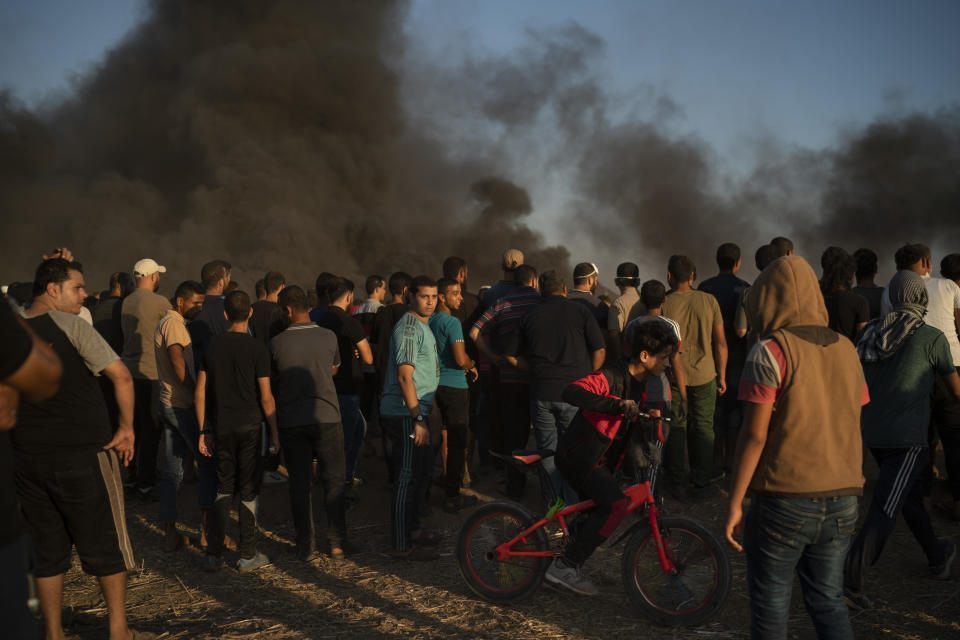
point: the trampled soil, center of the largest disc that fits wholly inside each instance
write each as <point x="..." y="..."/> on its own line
<point x="372" y="595"/>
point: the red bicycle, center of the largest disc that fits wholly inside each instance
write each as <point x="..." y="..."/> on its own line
<point x="675" y="570"/>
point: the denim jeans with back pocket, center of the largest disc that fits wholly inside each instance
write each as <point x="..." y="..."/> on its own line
<point x="809" y="536"/>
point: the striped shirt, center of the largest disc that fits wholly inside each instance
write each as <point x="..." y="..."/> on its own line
<point x="502" y="319"/>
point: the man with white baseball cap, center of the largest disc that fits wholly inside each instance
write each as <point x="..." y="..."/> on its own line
<point x="141" y="312"/>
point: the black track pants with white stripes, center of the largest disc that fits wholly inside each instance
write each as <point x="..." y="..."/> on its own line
<point x="898" y="489"/>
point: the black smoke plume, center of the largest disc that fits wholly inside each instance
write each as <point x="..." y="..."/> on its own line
<point x="267" y="133"/>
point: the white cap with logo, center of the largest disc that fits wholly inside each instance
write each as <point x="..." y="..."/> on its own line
<point x="147" y="267"/>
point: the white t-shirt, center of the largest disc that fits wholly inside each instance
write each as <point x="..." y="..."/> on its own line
<point x="943" y="299"/>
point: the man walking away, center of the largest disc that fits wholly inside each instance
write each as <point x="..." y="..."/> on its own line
<point x="512" y="258"/>
<point x="305" y="358"/>
<point x="560" y="342"/>
<point x="801" y="461"/>
<point x="412" y="377"/>
<point x="727" y="288"/>
<point x="704" y="363"/>
<point x="901" y="356"/>
<point x="180" y="431"/>
<point x="236" y="369"/>
<point x="946" y="410"/>
<point x="142" y="311"/>
<point x="453" y="394"/>
<point x="267" y="319"/>
<point x="354" y="352"/>
<point x="66" y="459"/>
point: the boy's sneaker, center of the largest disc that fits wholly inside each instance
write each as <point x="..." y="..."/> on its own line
<point x="857" y="601"/>
<point x="212" y="563"/>
<point x="562" y="573"/>
<point x="941" y="571"/>
<point x="245" y="565"/>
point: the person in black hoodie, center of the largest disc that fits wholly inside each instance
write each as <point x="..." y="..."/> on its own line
<point x="594" y="445"/>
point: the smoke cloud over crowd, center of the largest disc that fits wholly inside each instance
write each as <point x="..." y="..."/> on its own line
<point x="312" y="137"/>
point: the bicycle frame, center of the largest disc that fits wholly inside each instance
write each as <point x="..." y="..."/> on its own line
<point x="638" y="495"/>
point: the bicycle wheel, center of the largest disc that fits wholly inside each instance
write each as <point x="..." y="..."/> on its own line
<point x="701" y="583"/>
<point x="508" y="580"/>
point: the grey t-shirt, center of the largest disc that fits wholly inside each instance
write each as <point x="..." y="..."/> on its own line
<point x="304" y="355"/>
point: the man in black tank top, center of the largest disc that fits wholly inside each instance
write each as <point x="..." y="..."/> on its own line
<point x="67" y="461"/>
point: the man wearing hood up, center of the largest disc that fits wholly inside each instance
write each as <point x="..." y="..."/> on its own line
<point x="799" y="453"/>
<point x="901" y="355"/>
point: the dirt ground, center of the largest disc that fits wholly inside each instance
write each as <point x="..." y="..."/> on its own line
<point x="372" y="595"/>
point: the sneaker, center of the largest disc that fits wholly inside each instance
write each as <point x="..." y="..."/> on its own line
<point x="212" y="563"/>
<point x="561" y="573"/>
<point x="463" y="501"/>
<point x="857" y="601"/>
<point x="307" y="555"/>
<point x="273" y="477"/>
<point x="245" y="565"/>
<point x="941" y="571"/>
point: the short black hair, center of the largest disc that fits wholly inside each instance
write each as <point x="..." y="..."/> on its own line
<point x="237" y="306"/>
<point x="338" y="288"/>
<point x="294" y="297"/>
<point x="653" y="337"/>
<point x="324" y="280"/>
<point x="910" y="254"/>
<point x="764" y="256"/>
<point x="452" y="267"/>
<point x="188" y="288"/>
<point x="445" y="283"/>
<point x="372" y="283"/>
<point x="783" y="246"/>
<point x="950" y="266"/>
<point x="524" y="275"/>
<point x="681" y="268"/>
<point x="214" y="271"/>
<point x="583" y="271"/>
<point x="273" y="281"/>
<point x="54" y="270"/>
<point x="399" y="282"/>
<point x="420" y="281"/>
<point x="727" y="256"/>
<point x="259" y="288"/>
<point x="866" y="263"/>
<point x="551" y="283"/>
<point x="652" y="294"/>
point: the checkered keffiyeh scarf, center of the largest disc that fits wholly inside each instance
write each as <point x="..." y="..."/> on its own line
<point x="883" y="337"/>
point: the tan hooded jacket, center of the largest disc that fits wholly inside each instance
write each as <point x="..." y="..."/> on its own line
<point x="813" y="447"/>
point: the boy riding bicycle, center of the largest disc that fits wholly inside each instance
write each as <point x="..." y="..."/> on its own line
<point x="593" y="446"/>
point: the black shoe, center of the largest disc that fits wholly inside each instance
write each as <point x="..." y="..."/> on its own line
<point x="307" y="556"/>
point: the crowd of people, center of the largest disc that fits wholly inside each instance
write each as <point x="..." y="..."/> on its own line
<point x="774" y="385"/>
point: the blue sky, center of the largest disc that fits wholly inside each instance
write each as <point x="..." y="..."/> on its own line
<point x="803" y="70"/>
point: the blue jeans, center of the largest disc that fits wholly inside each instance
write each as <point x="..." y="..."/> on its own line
<point x="810" y="536"/>
<point x="550" y="420"/>
<point x="181" y="434"/>
<point x="354" y="431"/>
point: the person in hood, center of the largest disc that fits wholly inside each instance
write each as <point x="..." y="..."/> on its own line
<point x="901" y="357"/>
<point x="799" y="453"/>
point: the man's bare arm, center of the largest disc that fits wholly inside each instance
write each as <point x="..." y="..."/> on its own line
<point x="720" y="357"/>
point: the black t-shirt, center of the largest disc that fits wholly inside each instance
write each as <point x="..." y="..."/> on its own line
<point x="846" y="310"/>
<point x="873" y="296"/>
<point x="106" y="320"/>
<point x="387" y="318"/>
<point x="209" y="322"/>
<point x="349" y="378"/>
<point x="15" y="346"/>
<point x="233" y="362"/>
<point x="267" y="320"/>
<point x="593" y="304"/>
<point x="557" y="339"/>
<point x="726" y="288"/>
